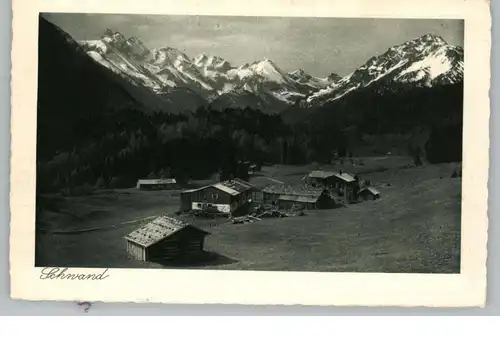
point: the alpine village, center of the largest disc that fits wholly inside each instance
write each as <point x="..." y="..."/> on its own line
<point x="150" y="158"/>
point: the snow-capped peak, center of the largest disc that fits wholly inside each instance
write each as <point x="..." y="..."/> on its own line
<point x="268" y="70"/>
<point x="424" y="61"/>
<point x="212" y="62"/>
<point x="200" y="60"/>
<point x="164" y="68"/>
<point x="169" y="56"/>
<point x="302" y="77"/>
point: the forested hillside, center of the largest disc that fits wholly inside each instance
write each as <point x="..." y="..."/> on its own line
<point x="375" y="112"/>
<point x="96" y="129"/>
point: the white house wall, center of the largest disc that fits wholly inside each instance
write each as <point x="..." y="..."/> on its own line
<point x="225" y="208"/>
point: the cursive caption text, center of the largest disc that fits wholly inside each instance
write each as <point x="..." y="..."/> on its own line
<point x="58" y="273"/>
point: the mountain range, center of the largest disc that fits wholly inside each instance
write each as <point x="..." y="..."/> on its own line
<point x="113" y="108"/>
<point x="260" y="84"/>
<point x="423" y="62"/>
<point x="426" y="61"/>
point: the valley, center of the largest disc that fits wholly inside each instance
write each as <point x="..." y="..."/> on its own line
<point x="413" y="228"/>
<point x="112" y="110"/>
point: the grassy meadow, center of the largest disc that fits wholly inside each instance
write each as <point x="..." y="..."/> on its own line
<point x="413" y="227"/>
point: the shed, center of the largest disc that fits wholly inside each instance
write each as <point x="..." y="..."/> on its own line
<point x="284" y="196"/>
<point x="161" y="183"/>
<point x="307" y="202"/>
<point x="369" y="193"/>
<point x="165" y="239"/>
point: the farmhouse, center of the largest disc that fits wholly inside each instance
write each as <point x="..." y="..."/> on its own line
<point x="343" y="184"/>
<point x="286" y="196"/>
<point x="224" y="197"/>
<point x="369" y="193"/>
<point x="165" y="239"/>
<point x="320" y="178"/>
<point x="153" y="184"/>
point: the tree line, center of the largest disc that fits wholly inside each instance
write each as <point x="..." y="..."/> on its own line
<point x="113" y="150"/>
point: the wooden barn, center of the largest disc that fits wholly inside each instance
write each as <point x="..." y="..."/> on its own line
<point x="259" y="183"/>
<point x="224" y="197"/>
<point x="287" y="202"/>
<point x="285" y="196"/>
<point x="369" y="193"/>
<point x="165" y="239"/>
<point x="157" y="184"/>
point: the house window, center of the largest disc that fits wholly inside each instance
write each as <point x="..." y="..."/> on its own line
<point x="215" y="196"/>
<point x="198" y="205"/>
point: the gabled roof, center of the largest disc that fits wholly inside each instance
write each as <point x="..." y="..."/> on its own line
<point x="296" y="190"/>
<point x="233" y="187"/>
<point x="161" y="228"/>
<point x="345" y="177"/>
<point x="371" y="190"/>
<point x="321" y="174"/>
<point x="326" y="174"/>
<point x="157" y="181"/>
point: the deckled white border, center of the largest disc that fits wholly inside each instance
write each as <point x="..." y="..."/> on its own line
<point x="249" y="287"/>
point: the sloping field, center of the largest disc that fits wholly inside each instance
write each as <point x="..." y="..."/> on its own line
<point x="414" y="227"/>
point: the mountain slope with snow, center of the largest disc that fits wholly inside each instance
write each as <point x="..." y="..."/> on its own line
<point x="422" y="62"/>
<point x="302" y="77"/>
<point x="159" y="70"/>
<point x="239" y="97"/>
<point x="165" y="69"/>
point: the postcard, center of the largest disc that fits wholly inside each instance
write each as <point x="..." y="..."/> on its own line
<point x="251" y="152"/>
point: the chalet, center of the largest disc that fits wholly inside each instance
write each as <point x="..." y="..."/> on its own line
<point x="369" y="193"/>
<point x="156" y="184"/>
<point x="343" y="184"/>
<point x="285" y="196"/>
<point x="165" y="239"/>
<point x="320" y="178"/>
<point x="223" y="197"/>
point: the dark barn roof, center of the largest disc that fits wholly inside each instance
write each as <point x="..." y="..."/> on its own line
<point x="321" y="174"/>
<point x="324" y="174"/>
<point x="233" y="187"/>
<point x="295" y="190"/>
<point x="300" y="199"/>
<point x="157" y="230"/>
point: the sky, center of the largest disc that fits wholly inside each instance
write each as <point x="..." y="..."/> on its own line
<point x="320" y="46"/>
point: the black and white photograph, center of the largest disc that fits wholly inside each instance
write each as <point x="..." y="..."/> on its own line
<point x="249" y="143"/>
